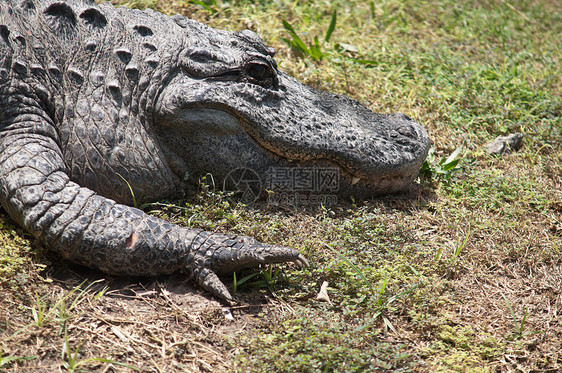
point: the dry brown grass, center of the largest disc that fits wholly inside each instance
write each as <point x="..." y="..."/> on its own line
<point x="157" y="326"/>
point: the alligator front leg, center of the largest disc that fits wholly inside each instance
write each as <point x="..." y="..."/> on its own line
<point x="98" y="232"/>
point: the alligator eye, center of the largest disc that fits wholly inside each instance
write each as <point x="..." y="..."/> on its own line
<point x="261" y="74"/>
<point x="258" y="72"/>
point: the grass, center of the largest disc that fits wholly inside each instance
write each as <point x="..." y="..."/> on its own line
<point x="462" y="273"/>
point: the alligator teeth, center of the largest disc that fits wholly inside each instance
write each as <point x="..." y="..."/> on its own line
<point x="355" y="180"/>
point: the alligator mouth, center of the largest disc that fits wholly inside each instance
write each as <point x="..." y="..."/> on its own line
<point x="222" y="121"/>
<point x="386" y="181"/>
<point x="354" y="184"/>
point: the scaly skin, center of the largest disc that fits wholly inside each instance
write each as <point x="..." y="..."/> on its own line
<point x="91" y="96"/>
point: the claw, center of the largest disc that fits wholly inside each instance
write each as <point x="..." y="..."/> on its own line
<point x="216" y="253"/>
<point x="301" y="261"/>
<point x="209" y="281"/>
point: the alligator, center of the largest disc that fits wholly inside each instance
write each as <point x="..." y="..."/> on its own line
<point x="98" y="101"/>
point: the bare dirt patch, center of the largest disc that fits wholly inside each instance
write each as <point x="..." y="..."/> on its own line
<point x="156" y="325"/>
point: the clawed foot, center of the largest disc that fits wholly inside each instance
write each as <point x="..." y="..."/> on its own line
<point x="226" y="254"/>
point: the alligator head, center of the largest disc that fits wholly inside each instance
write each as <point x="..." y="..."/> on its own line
<point x="228" y="106"/>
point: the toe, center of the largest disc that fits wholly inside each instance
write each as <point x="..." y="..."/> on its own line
<point x="209" y="281"/>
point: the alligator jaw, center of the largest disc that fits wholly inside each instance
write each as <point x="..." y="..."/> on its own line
<point x="358" y="187"/>
<point x="223" y="129"/>
<point x="211" y="120"/>
<point x="318" y="125"/>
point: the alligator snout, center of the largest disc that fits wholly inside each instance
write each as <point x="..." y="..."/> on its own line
<point x="377" y="153"/>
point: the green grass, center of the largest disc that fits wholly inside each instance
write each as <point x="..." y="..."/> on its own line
<point x="461" y="274"/>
